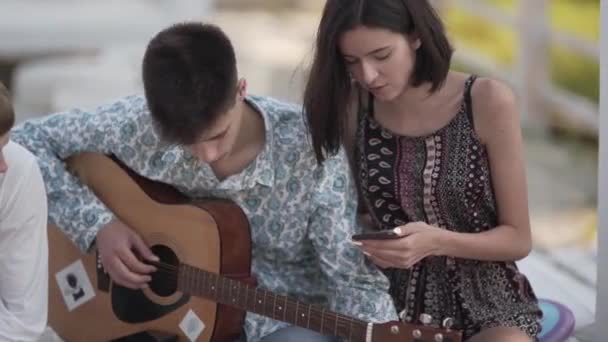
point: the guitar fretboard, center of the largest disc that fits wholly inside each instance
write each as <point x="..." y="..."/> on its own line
<point x="223" y="290"/>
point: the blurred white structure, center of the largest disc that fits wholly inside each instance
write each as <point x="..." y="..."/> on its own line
<point x="52" y="84"/>
<point x="273" y="64"/>
<point x="41" y="27"/>
<point x="79" y="53"/>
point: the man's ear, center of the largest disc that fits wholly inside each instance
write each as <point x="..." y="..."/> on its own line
<point x="241" y="89"/>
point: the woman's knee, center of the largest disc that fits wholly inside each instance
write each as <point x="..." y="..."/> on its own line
<point x="500" y="334"/>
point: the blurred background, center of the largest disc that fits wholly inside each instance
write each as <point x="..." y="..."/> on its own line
<point x="60" y="54"/>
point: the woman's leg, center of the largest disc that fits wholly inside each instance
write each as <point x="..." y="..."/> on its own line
<point x="500" y="334"/>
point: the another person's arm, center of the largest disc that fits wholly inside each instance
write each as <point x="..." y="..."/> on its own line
<point x="121" y="128"/>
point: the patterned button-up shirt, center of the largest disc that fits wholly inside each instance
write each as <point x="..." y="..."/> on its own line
<point x="301" y="214"/>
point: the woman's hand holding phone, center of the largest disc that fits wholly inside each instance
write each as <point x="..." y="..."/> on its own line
<point x="401" y="247"/>
<point x="377" y="235"/>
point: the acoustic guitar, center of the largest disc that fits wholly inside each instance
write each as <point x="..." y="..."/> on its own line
<point x="202" y="287"/>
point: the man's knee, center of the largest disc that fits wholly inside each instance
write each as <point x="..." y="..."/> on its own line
<point x="297" y="334"/>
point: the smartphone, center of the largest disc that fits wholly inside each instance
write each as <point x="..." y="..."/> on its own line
<point x="377" y="235"/>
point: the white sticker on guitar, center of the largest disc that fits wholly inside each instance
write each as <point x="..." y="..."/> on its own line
<point x="74" y="285"/>
<point x="192" y="326"/>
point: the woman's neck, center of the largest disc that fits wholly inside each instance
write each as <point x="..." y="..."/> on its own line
<point x="409" y="100"/>
<point x="415" y="99"/>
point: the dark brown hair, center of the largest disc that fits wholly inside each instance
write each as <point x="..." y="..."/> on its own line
<point x="328" y="91"/>
<point x="7" y="114"/>
<point x="190" y="79"/>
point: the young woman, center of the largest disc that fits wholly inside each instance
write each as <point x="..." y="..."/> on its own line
<point x="438" y="157"/>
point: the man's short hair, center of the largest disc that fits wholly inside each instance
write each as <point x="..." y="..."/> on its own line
<point x="190" y="79"/>
<point x="7" y="114"/>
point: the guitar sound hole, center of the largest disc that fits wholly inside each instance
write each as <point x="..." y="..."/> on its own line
<point x="164" y="280"/>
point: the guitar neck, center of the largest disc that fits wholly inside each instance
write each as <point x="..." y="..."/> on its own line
<point x="197" y="282"/>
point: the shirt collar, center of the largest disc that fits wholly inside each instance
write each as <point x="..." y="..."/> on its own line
<point x="261" y="170"/>
<point x="263" y="166"/>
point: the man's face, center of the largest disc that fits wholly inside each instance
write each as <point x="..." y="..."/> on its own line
<point x="3" y="142"/>
<point x="217" y="142"/>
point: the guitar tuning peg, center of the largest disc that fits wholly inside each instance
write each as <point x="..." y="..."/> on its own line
<point x="426" y="319"/>
<point x="448" y="323"/>
<point x="395" y="330"/>
<point x="417" y="334"/>
<point x="402" y="316"/>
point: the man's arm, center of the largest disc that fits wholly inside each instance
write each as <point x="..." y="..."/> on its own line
<point x="24" y="260"/>
<point x="359" y="288"/>
<point x="113" y="128"/>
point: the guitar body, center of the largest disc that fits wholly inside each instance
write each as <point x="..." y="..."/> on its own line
<point x="84" y="305"/>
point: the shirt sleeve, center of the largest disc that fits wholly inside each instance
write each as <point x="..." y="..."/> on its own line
<point x="357" y="288"/>
<point x="109" y="129"/>
<point x="24" y="260"/>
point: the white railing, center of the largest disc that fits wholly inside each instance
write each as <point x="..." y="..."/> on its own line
<point x="531" y="77"/>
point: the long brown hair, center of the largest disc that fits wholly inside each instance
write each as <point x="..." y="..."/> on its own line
<point x="329" y="88"/>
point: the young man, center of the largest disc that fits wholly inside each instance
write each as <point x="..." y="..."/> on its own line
<point x="23" y="239"/>
<point x="197" y="130"/>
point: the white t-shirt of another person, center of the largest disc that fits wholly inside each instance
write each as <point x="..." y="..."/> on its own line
<point x="23" y="247"/>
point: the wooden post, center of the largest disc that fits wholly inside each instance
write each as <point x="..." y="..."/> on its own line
<point x="534" y="61"/>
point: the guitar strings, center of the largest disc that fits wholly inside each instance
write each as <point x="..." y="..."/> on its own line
<point x="342" y="322"/>
<point x="163" y="265"/>
<point x="172" y="271"/>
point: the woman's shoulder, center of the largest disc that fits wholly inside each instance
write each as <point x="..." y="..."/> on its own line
<point x="494" y="106"/>
<point x="489" y="93"/>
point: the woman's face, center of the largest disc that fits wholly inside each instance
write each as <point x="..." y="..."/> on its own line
<point x="380" y="60"/>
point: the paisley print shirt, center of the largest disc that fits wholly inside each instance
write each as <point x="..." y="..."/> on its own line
<point x="301" y="215"/>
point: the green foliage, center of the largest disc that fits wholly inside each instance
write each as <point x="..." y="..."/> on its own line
<point x="569" y="70"/>
<point x="468" y="31"/>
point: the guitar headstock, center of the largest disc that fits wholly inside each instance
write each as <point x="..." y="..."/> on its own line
<point x="409" y="332"/>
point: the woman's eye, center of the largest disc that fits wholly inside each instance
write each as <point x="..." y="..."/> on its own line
<point x="383" y="57"/>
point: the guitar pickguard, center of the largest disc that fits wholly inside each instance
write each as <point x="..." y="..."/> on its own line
<point x="132" y="306"/>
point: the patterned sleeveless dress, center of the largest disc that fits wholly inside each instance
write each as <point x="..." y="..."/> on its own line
<point x="442" y="179"/>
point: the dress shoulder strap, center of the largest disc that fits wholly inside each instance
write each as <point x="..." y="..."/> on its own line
<point x="468" y="99"/>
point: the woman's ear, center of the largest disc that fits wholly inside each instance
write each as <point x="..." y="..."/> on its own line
<point x="414" y="41"/>
<point x="417" y="44"/>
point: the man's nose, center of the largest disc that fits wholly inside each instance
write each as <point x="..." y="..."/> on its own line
<point x="207" y="154"/>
